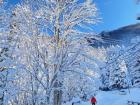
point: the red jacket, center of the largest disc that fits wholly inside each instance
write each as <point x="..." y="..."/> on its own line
<point x="93" y="100"/>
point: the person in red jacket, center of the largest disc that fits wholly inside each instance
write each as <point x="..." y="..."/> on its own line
<point x="93" y="100"/>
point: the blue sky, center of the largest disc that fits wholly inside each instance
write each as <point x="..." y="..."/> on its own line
<point x="114" y="13"/>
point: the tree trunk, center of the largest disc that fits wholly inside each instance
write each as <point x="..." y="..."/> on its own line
<point x="57" y="97"/>
<point x="1" y="99"/>
<point x="57" y="94"/>
<point x="2" y="86"/>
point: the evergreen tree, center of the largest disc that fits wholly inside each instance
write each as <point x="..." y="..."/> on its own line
<point x="114" y="75"/>
<point x="134" y="61"/>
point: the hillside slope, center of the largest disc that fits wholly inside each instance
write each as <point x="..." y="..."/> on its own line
<point x="120" y="36"/>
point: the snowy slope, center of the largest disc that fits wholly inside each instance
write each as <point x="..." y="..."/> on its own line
<point x="117" y="98"/>
<point x="114" y="97"/>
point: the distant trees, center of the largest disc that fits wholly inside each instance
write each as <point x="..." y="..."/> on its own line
<point x="121" y="68"/>
<point x="113" y="75"/>
<point x="118" y="70"/>
<point x="133" y="57"/>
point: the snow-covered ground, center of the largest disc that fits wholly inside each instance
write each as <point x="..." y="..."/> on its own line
<point x="114" y="97"/>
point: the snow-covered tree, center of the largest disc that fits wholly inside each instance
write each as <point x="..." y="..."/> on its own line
<point x="132" y="57"/>
<point x="114" y="71"/>
<point x="50" y="44"/>
<point x="125" y="69"/>
<point x="118" y="71"/>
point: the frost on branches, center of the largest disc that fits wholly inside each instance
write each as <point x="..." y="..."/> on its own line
<point x="114" y="72"/>
<point x="51" y="50"/>
<point x="133" y="61"/>
<point x="7" y="43"/>
<point x="122" y="67"/>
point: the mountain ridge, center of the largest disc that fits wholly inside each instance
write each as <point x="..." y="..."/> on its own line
<point x="120" y="36"/>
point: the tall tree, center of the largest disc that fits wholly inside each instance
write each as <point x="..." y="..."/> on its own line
<point x="51" y="30"/>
